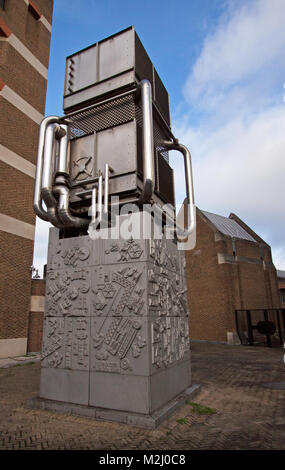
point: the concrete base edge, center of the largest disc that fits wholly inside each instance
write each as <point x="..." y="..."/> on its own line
<point x="134" y="419"/>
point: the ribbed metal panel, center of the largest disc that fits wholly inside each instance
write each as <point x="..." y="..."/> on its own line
<point x="228" y="226"/>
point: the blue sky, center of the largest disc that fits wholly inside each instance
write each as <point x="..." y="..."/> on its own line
<point x="223" y="65"/>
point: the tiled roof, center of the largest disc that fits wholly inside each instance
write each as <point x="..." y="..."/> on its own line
<point x="228" y="226"/>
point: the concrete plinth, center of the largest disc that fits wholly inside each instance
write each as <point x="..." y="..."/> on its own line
<point x="150" y="421"/>
<point x="115" y="339"/>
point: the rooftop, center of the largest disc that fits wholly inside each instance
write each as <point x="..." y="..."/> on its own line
<point x="228" y="226"/>
<point x="280" y="273"/>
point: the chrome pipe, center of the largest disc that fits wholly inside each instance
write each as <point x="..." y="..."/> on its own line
<point x="108" y="169"/>
<point x="191" y="212"/>
<point x="64" y="149"/>
<point x="93" y="206"/>
<point x="65" y="216"/>
<point x="100" y="187"/>
<point x="47" y="175"/>
<point x="49" y="155"/>
<point x="106" y="188"/>
<point x="148" y="143"/>
<point x="39" y="167"/>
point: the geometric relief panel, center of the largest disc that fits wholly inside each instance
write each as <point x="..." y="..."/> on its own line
<point x="66" y="343"/>
<point x="119" y="290"/>
<point x="119" y="345"/>
<point x="167" y="293"/>
<point x="169" y="340"/>
<point x="53" y="342"/>
<point x="164" y="253"/>
<point x="120" y="251"/>
<point x="67" y="292"/>
<point x="71" y="253"/>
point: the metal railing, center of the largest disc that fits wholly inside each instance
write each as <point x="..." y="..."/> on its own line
<point x="254" y="324"/>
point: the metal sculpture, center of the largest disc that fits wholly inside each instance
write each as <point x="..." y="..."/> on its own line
<point x="116" y="338"/>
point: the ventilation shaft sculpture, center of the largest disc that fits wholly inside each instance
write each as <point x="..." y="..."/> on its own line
<point x="115" y="339"/>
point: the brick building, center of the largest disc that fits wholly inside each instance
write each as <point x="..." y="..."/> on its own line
<point x="25" y="30"/>
<point x="36" y="316"/>
<point x="230" y="268"/>
<point x="281" y="285"/>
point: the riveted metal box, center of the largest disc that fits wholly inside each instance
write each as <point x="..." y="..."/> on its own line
<point x="103" y="109"/>
<point x="110" y="65"/>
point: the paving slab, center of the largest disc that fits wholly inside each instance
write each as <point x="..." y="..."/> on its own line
<point x="233" y="411"/>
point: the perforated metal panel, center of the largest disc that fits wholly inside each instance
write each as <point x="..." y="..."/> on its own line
<point x="113" y="113"/>
<point x="117" y="111"/>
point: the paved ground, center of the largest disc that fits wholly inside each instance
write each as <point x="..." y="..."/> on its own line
<point x="248" y="415"/>
<point x="14" y="361"/>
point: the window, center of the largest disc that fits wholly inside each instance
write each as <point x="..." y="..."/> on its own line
<point x="2" y="4"/>
<point x="282" y="295"/>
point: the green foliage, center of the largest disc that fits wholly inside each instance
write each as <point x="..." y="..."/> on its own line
<point x="201" y="409"/>
<point x="182" y="421"/>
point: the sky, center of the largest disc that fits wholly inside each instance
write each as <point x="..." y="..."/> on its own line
<point x="223" y="65"/>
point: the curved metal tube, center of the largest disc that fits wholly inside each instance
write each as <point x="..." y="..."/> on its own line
<point x="67" y="219"/>
<point x="191" y="213"/>
<point x="47" y="175"/>
<point x="147" y="138"/>
<point x="39" y="167"/>
<point x="64" y="149"/>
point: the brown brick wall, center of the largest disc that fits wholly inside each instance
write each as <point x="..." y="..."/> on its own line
<point x="18" y="132"/>
<point x="207" y="287"/>
<point x="273" y="282"/>
<point x="17" y="189"/>
<point x="32" y="33"/>
<point x="253" y="286"/>
<point x="216" y="290"/>
<point x="19" y="75"/>
<point x="35" y="330"/>
<point x="38" y="287"/>
<point x="247" y="249"/>
<point x="46" y="8"/>
<point x="16" y="255"/>
<point x="35" y="333"/>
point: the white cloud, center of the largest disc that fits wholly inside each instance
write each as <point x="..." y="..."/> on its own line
<point x="243" y="45"/>
<point x="41" y="244"/>
<point x="238" y="140"/>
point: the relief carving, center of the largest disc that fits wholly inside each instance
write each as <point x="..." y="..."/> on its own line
<point x="170" y="340"/>
<point x="53" y="342"/>
<point x="167" y="293"/>
<point x="163" y="256"/>
<point x="118" y="291"/>
<point x="116" y="342"/>
<point x="66" y="293"/>
<point x="130" y="249"/>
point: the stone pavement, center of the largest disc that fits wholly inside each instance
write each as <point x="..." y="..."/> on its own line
<point x="245" y="385"/>
<point x="13" y="361"/>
